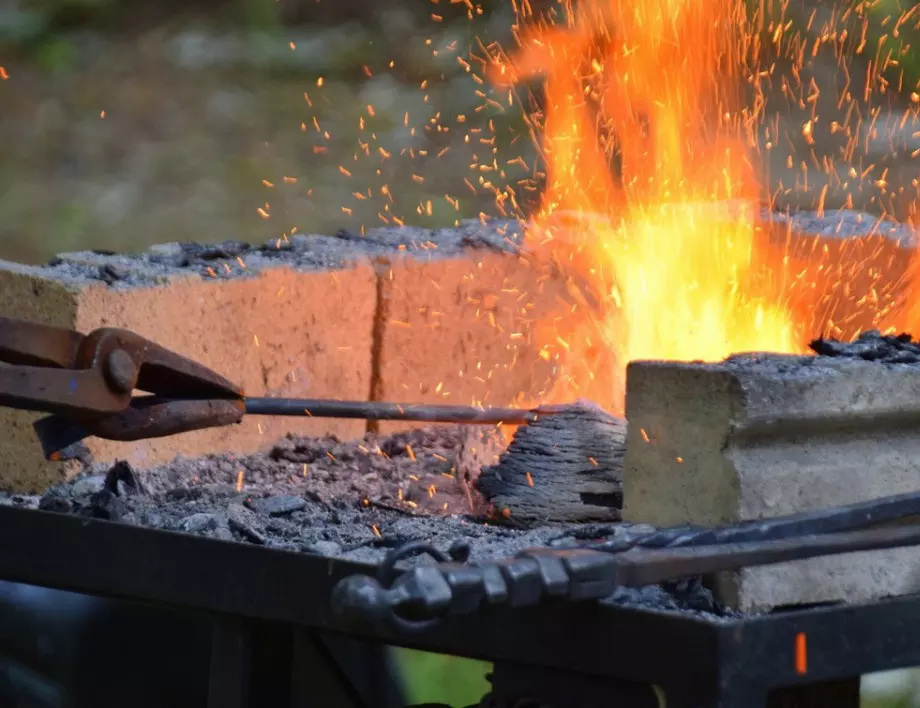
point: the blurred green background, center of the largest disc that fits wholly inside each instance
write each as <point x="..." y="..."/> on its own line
<point x="460" y="682"/>
<point x="432" y="678"/>
<point x="126" y="124"/>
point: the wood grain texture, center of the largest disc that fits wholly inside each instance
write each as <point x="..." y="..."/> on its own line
<point x="564" y="467"/>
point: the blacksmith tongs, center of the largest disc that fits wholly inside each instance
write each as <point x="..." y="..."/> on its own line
<point x="87" y="382"/>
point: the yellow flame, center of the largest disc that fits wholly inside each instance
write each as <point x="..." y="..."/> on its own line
<point x="650" y="197"/>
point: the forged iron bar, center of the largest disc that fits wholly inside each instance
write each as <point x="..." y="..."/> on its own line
<point x="822" y="521"/>
<point x="154" y="417"/>
<point x="425" y="594"/>
<point x="673" y="564"/>
<point x="374" y="410"/>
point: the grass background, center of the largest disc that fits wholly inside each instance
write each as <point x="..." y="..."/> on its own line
<point x="433" y="678"/>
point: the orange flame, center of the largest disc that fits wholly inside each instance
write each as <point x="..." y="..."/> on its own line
<point x="650" y="198"/>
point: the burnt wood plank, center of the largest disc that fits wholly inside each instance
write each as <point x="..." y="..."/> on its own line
<point x="564" y="467"/>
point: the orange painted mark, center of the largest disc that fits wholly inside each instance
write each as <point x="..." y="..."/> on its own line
<point x="801" y="654"/>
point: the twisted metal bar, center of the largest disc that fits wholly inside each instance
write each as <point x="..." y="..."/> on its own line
<point x="422" y="596"/>
<point x="823" y="521"/>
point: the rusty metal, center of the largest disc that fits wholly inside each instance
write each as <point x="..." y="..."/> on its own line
<point x="146" y="418"/>
<point x="30" y="344"/>
<point x="55" y="370"/>
<point x="151" y="417"/>
<point x="379" y="410"/>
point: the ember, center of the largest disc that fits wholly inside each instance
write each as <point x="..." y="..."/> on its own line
<point x="872" y="346"/>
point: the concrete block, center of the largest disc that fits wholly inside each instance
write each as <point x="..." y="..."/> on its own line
<point x="290" y="324"/>
<point x="843" y="272"/>
<point x="406" y="314"/>
<point x="459" y="329"/>
<point x="764" y="435"/>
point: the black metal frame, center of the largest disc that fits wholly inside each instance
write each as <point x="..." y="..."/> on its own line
<point x="273" y="624"/>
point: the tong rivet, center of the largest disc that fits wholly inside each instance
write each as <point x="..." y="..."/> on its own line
<point x="121" y="370"/>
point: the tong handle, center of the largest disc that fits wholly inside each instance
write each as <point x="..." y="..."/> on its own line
<point x="32" y="344"/>
<point x="62" y="391"/>
<point x="39" y="372"/>
<point x="60" y="371"/>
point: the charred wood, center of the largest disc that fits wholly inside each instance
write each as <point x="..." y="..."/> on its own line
<point x="872" y="346"/>
<point x="565" y="467"/>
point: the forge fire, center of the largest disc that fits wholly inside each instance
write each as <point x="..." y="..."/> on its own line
<point x="652" y="85"/>
<point x="654" y="124"/>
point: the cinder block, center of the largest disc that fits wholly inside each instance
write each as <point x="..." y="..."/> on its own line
<point x="458" y="327"/>
<point x="762" y="436"/>
<point x="401" y="314"/>
<point x="290" y="324"/>
<point x="843" y="272"/>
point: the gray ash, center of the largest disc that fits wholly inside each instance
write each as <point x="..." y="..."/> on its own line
<point x="234" y="259"/>
<point x="349" y="500"/>
<point x="872" y="346"/>
<point x="424" y="472"/>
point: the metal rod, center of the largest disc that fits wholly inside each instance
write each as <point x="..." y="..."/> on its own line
<point x="373" y="410"/>
<point x="873" y="512"/>
<point x="649" y="567"/>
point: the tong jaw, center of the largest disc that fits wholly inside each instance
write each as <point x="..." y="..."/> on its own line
<point x="128" y="362"/>
<point x="87" y="382"/>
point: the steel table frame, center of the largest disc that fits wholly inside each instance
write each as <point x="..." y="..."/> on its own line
<point x="273" y="624"/>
